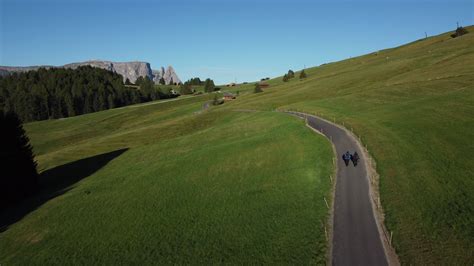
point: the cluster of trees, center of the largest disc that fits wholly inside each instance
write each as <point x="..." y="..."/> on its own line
<point x="161" y="81"/>
<point x="459" y="32"/>
<point x="194" y="82"/>
<point x="291" y="74"/>
<point x="149" y="92"/>
<point x="187" y="87"/>
<point x="62" y="92"/>
<point x="19" y="178"/>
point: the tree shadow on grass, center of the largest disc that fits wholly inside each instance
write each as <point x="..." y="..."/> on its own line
<point x="55" y="182"/>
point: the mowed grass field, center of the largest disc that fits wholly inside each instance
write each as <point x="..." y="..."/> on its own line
<point x="413" y="106"/>
<point x="164" y="182"/>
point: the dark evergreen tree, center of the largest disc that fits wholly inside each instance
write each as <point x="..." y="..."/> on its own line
<point x="139" y="81"/>
<point x="302" y="74"/>
<point x="147" y="88"/>
<point x="291" y="74"/>
<point x="162" y="81"/>
<point x="19" y="177"/>
<point x="209" y="85"/>
<point x="111" y="101"/>
<point x="257" y="88"/>
<point x="285" y="78"/>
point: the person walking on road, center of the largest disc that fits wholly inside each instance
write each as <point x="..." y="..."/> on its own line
<point x="355" y="159"/>
<point x="347" y="157"/>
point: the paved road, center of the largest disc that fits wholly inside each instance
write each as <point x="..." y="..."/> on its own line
<point x="356" y="239"/>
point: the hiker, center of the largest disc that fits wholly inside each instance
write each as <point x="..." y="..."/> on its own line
<point x="347" y="157"/>
<point x="355" y="158"/>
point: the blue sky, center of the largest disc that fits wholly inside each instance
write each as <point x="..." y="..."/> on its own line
<point x="225" y="40"/>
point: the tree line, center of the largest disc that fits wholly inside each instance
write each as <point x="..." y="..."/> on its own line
<point x="62" y="92"/>
<point x="187" y="86"/>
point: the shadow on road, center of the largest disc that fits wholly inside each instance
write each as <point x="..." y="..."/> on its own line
<point x="55" y="182"/>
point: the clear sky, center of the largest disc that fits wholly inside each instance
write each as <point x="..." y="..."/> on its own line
<point x="225" y="40"/>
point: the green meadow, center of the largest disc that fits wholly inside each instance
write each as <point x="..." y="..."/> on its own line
<point x="413" y="107"/>
<point x="165" y="182"/>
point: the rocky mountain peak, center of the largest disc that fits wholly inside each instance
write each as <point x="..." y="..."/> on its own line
<point x="129" y="70"/>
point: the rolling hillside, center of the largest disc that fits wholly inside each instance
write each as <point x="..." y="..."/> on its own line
<point x="413" y="106"/>
<point x="165" y="182"/>
<point x="239" y="183"/>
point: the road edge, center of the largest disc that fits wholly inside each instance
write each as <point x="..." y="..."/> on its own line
<point x="330" y="220"/>
<point x="373" y="180"/>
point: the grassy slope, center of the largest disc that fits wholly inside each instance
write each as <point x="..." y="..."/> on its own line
<point x="208" y="187"/>
<point x="414" y="108"/>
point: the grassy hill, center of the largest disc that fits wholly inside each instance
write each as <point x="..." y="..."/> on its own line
<point x="165" y="182"/>
<point x="413" y="107"/>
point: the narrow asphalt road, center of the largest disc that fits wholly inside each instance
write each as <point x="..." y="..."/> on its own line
<point x="356" y="239"/>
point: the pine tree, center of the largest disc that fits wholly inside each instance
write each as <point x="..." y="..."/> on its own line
<point x="162" y="81"/>
<point x="139" y="81"/>
<point x="68" y="100"/>
<point x="285" y="78"/>
<point x="257" y="88"/>
<point x="302" y="74"/>
<point x="209" y="85"/>
<point x="19" y="177"/>
<point x="291" y="74"/>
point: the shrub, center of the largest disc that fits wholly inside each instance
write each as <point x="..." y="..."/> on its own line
<point x="186" y="89"/>
<point x="217" y="100"/>
<point x="459" y="32"/>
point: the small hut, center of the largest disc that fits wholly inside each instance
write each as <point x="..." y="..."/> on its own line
<point x="228" y="96"/>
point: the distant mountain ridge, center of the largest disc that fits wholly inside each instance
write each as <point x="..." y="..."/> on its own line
<point x="128" y="70"/>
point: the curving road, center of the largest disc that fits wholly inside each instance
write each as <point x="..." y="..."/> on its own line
<point x="356" y="239"/>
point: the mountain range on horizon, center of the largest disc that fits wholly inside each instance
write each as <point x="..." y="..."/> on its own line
<point x="129" y="70"/>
